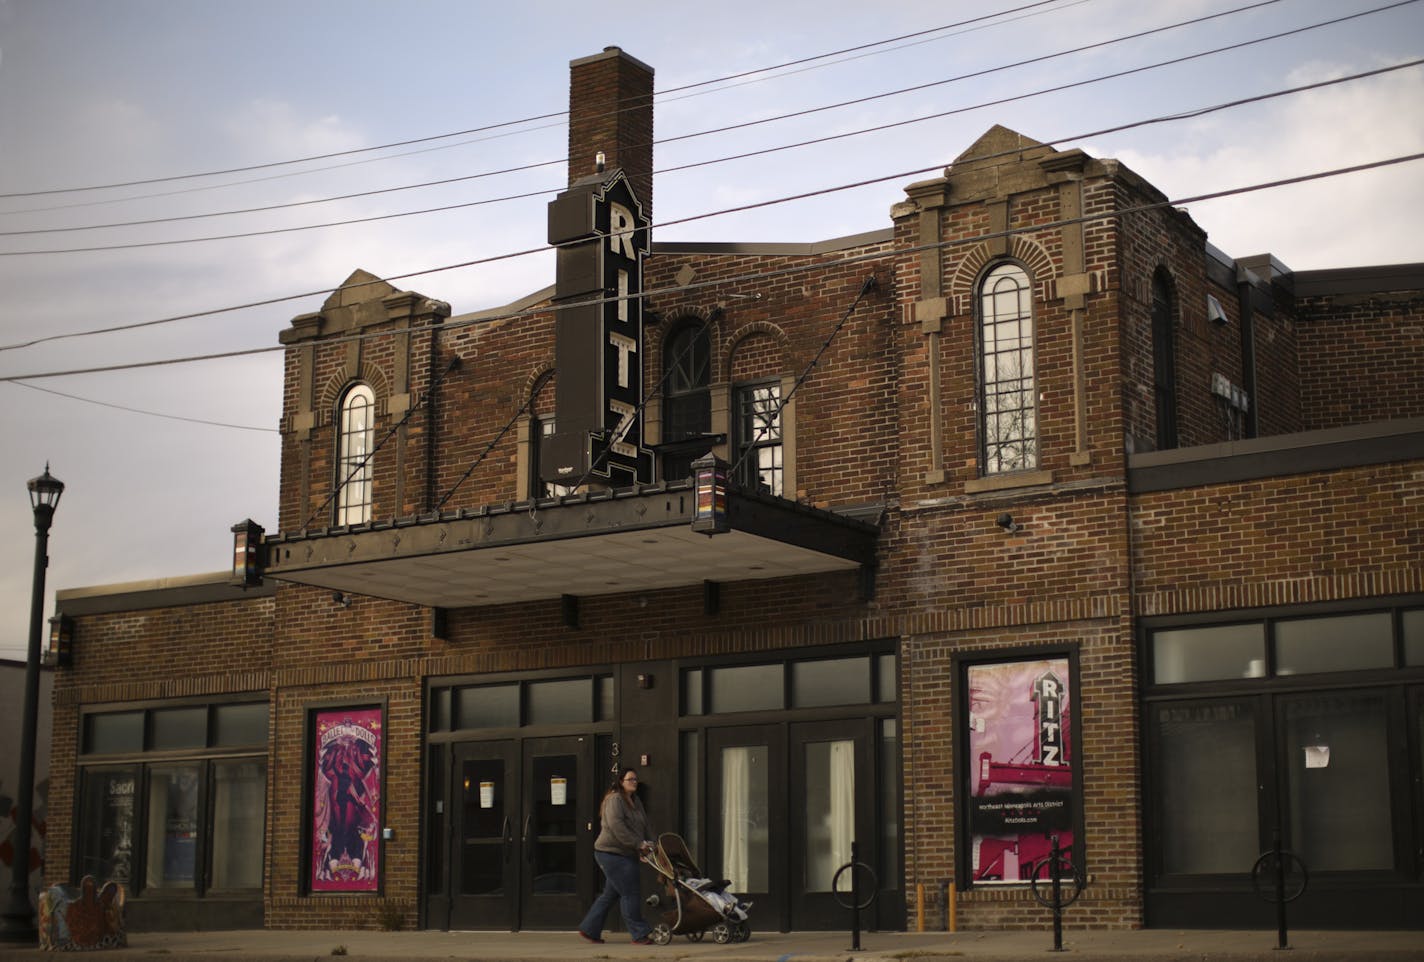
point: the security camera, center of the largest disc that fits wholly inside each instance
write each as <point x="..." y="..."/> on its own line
<point x="1007" y="522"/>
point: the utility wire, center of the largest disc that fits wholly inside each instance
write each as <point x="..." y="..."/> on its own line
<point x="870" y="284"/>
<point x="668" y="140"/>
<point x="509" y="123"/>
<point x="754" y="153"/>
<point x="778" y="272"/>
<point x="543" y="126"/>
<point x="152" y="414"/>
<point x="1197" y="112"/>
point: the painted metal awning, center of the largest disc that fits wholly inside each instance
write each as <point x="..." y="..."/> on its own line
<point x="598" y="543"/>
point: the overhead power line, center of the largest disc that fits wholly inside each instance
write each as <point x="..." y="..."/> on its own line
<point x="1166" y="118"/>
<point x="532" y="119"/>
<point x="747" y="154"/>
<point x="560" y="161"/>
<point x="828" y="264"/>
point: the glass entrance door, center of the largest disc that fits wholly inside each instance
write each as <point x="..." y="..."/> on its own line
<point x="831" y="805"/>
<point x="746" y="825"/>
<point x="556" y="832"/>
<point x="1326" y="772"/>
<point x="484" y="812"/>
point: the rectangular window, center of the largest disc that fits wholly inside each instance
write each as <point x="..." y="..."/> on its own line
<point x="759" y="447"/>
<point x="113" y="733"/>
<point x="176" y="825"/>
<point x="1343" y="643"/>
<point x="1208" y="653"/>
<point x="1413" y="625"/>
<point x="488" y="706"/>
<point x="107" y="809"/>
<point x="747" y="688"/>
<point x="561" y="702"/>
<point x="173" y="826"/>
<point x="239" y="801"/>
<point x="836" y="681"/>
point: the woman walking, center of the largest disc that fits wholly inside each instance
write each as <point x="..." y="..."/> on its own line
<point x="625" y="835"/>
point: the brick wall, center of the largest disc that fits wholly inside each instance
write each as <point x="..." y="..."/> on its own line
<point x="1361" y="357"/>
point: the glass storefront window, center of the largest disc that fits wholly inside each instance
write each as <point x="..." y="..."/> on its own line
<point x="172" y="853"/>
<point x="1342" y="643"/>
<point x="1337" y="757"/>
<point x="239" y="799"/>
<point x="561" y="702"/>
<point x="113" y="732"/>
<point x="106" y="817"/>
<point x="1413" y="624"/>
<point x="179" y="728"/>
<point x="240" y="725"/>
<point x="692" y="692"/>
<point x="887" y="681"/>
<point x="747" y="688"/>
<point x="1206" y="757"/>
<point x="489" y="706"/>
<point x="837" y="681"/>
<point x="1208" y="653"/>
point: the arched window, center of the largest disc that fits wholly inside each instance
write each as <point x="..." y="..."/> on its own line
<point x="355" y="438"/>
<point x="1008" y="399"/>
<point x="1164" y="361"/>
<point x="687" y="398"/>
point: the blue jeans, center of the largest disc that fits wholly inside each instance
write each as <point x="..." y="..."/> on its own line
<point x="621" y="885"/>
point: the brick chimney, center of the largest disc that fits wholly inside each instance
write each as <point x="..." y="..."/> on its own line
<point x="611" y="110"/>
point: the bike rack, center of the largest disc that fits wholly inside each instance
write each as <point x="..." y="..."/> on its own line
<point x="1056" y="861"/>
<point x="855" y="905"/>
<point x="1275" y="862"/>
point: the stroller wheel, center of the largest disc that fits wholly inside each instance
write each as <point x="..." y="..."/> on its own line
<point x="661" y="934"/>
<point x="741" y="931"/>
<point x="696" y="936"/>
<point x="721" y="933"/>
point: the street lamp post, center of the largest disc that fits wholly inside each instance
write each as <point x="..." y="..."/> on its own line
<point x="18" y="922"/>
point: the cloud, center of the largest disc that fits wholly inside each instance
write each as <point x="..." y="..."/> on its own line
<point x="1351" y="220"/>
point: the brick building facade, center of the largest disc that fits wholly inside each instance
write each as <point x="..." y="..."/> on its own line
<point x="1047" y="520"/>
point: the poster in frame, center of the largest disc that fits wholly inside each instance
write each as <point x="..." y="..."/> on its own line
<point x="347" y="756"/>
<point x="1020" y="773"/>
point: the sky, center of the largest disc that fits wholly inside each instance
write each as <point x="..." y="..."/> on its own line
<point x="160" y="461"/>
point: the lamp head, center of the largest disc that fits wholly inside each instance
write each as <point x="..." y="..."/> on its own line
<point x="45" y="490"/>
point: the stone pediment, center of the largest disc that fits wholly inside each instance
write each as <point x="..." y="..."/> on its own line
<point x="360" y="287"/>
<point x="998" y="141"/>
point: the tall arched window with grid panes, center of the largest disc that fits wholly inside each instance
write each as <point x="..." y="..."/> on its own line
<point x="355" y="438"/>
<point x="1008" y="398"/>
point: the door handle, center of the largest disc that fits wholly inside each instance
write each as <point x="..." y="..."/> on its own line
<point x="508" y="837"/>
<point x="528" y="849"/>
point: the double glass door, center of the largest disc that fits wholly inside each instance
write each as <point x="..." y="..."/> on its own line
<point x="522" y="814"/>
<point x="784" y="804"/>
<point x="1328" y="772"/>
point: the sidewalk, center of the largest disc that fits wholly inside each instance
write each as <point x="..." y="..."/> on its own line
<point x="264" y="945"/>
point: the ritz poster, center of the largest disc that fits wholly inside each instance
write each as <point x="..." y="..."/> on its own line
<point x="1021" y="760"/>
<point x="346" y="800"/>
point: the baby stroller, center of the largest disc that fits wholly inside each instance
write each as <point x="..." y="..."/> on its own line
<point x="691" y="904"/>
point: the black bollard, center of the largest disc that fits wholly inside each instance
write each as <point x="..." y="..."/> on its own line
<point x="1280" y="891"/>
<point x="1056" y="854"/>
<point x="854" y="898"/>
